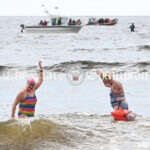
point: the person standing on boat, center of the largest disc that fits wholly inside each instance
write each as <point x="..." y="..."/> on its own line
<point x="117" y="97"/>
<point x="132" y="27"/>
<point x="26" y="98"/>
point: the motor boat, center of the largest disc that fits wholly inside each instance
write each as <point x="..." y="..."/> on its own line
<point x="57" y="24"/>
<point x="106" y="22"/>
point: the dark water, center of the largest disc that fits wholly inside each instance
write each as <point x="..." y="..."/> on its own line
<point x="68" y="116"/>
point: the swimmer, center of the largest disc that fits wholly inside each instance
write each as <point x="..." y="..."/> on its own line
<point x="117" y="97"/>
<point x="26" y="98"/>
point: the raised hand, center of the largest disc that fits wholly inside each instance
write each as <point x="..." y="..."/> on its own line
<point x="98" y="72"/>
<point x="40" y="65"/>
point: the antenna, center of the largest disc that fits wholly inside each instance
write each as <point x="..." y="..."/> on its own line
<point x="45" y="10"/>
<point x="57" y="10"/>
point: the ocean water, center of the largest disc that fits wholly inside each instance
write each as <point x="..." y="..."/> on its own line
<point x="69" y="114"/>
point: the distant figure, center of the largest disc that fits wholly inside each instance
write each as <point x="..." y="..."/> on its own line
<point x="73" y="22"/>
<point x="101" y="20"/>
<point x="45" y="23"/>
<point x="41" y="22"/>
<point x="90" y="22"/>
<point x="132" y="27"/>
<point x="54" y="20"/>
<point x="107" y="20"/>
<point x="59" y="21"/>
<point x="70" y="22"/>
<point x="78" y="22"/>
<point x="22" y="27"/>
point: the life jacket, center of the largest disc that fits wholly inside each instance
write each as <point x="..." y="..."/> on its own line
<point x="120" y="114"/>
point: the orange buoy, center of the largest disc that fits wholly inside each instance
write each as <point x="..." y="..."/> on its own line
<point x="121" y="114"/>
<point x="75" y="78"/>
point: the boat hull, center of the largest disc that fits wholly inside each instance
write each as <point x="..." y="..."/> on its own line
<point x="53" y="29"/>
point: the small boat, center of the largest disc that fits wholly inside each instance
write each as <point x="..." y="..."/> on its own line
<point x="56" y="24"/>
<point x="108" y="22"/>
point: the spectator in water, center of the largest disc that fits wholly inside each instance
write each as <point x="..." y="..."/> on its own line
<point x="132" y="27"/>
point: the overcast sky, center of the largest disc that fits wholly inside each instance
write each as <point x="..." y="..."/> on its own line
<point x="76" y="7"/>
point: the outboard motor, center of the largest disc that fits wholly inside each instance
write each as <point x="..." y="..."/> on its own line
<point x="22" y="27"/>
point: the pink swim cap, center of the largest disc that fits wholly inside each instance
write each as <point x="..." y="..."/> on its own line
<point x="31" y="81"/>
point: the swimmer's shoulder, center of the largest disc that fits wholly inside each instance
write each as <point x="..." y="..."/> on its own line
<point x="22" y="94"/>
<point x="117" y="83"/>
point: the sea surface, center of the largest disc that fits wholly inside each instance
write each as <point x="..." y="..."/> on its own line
<point x="70" y="114"/>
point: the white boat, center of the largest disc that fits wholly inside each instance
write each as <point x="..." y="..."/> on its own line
<point x="53" y="26"/>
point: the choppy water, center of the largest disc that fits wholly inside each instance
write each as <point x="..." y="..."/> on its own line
<point x="75" y="131"/>
<point x="68" y="116"/>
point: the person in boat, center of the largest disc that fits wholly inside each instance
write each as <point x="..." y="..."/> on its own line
<point x="90" y="21"/>
<point x="132" y="27"/>
<point x="45" y="23"/>
<point x="112" y="21"/>
<point x="107" y="20"/>
<point x="94" y="20"/>
<point x="73" y="22"/>
<point x="59" y="21"/>
<point x="70" y="22"/>
<point x="54" y="20"/>
<point x="26" y="98"/>
<point x="78" y="22"/>
<point x="101" y="20"/>
<point x="117" y="97"/>
<point x="41" y="22"/>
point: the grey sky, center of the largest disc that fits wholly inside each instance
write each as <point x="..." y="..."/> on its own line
<point x="76" y="7"/>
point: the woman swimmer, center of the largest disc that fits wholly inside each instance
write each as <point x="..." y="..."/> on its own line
<point x="117" y="97"/>
<point x="26" y="97"/>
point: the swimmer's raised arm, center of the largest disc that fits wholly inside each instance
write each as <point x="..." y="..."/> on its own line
<point x="111" y="75"/>
<point x="100" y="74"/>
<point x="37" y="85"/>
